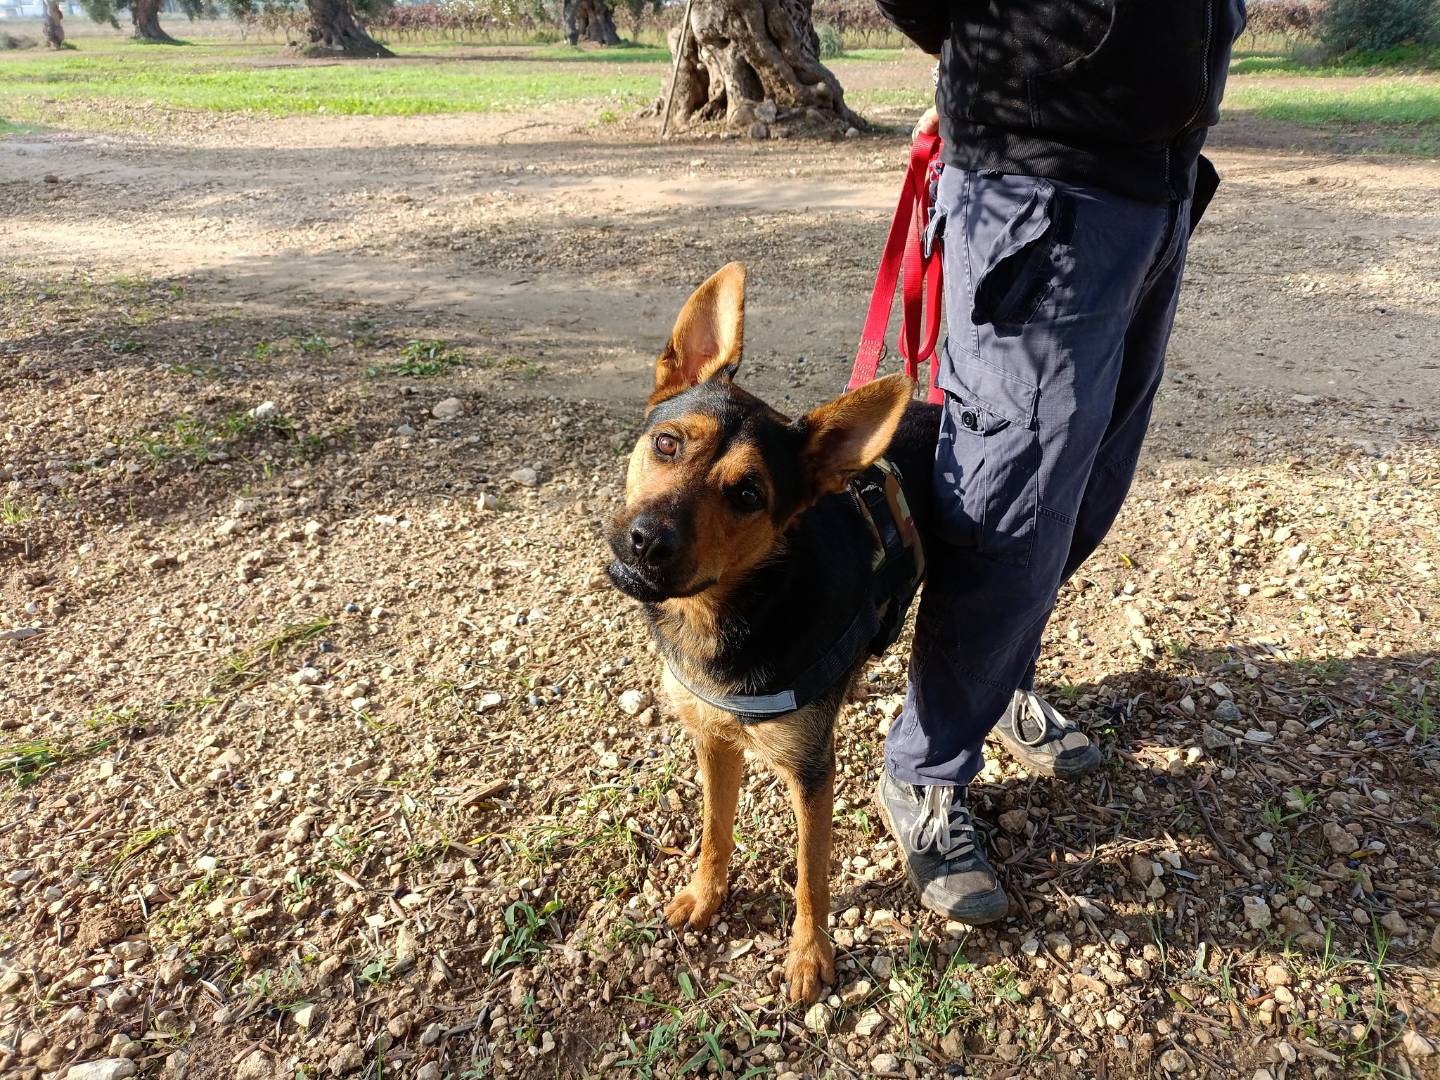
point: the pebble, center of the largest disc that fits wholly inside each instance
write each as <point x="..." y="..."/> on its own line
<point x="884" y="1064"/>
<point x="347" y="1060"/>
<point x="1277" y="975"/>
<point x="404" y="431"/>
<point x="634" y="702"/>
<point x="1339" y="839"/>
<point x="1227" y="712"/>
<point x="448" y="409"/>
<point x="1416" y="1045"/>
<point x="1265" y="843"/>
<point x="1395" y="923"/>
<point x="115" y="1068"/>
<point x="429" y="1071"/>
<point x="869" y="1023"/>
<point x="817" y="1018"/>
<point x="1014" y="821"/>
<point x="526" y="477"/>
<point x="1174" y="1061"/>
<point x="305" y="1016"/>
<point x="264" y="410"/>
<point x="432" y="1035"/>
<point x="1257" y="912"/>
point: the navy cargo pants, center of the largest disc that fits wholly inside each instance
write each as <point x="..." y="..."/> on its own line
<point x="1059" y="302"/>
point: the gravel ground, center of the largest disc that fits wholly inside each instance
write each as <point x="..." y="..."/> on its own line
<point x="327" y="750"/>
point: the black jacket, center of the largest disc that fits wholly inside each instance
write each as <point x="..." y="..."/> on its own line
<point x="1116" y="93"/>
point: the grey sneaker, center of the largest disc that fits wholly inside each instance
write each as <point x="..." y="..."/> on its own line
<point x="1044" y="741"/>
<point x="942" y="853"/>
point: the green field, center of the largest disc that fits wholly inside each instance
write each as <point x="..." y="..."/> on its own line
<point x="218" y="79"/>
<point x="1399" y="95"/>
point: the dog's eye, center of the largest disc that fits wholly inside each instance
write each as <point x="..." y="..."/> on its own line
<point x="748" y="498"/>
<point x="666" y="445"/>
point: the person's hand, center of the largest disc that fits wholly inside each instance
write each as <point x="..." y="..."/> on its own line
<point x="929" y="124"/>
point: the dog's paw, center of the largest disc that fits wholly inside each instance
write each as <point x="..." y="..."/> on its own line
<point x="695" y="905"/>
<point x="809" y="967"/>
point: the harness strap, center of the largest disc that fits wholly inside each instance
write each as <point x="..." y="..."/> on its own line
<point x="906" y="261"/>
<point x="812" y="684"/>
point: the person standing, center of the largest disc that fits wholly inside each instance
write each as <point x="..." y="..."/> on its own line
<point x="1072" y="177"/>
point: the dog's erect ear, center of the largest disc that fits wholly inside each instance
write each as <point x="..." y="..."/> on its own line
<point x="708" y="335"/>
<point x="849" y="433"/>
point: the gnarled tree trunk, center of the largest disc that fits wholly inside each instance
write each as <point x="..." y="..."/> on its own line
<point x="755" y="65"/>
<point x="591" y="20"/>
<point x="51" y="26"/>
<point x="145" y="14"/>
<point x="335" y="31"/>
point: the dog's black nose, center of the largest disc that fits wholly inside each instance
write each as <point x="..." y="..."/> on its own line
<point x="652" y="542"/>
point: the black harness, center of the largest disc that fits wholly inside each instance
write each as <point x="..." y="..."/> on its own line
<point x="897" y="569"/>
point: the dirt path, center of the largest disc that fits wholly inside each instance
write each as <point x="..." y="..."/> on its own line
<point x="580" y="240"/>
<point x="326" y="750"/>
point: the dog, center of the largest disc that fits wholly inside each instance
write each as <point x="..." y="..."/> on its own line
<point x="742" y="540"/>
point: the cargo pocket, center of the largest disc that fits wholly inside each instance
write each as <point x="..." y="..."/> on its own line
<point x="1016" y="273"/>
<point x="987" y="463"/>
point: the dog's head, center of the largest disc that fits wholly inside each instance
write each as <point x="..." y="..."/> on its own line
<point x="718" y="476"/>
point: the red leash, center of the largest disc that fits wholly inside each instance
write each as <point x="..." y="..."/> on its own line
<point x="905" y="262"/>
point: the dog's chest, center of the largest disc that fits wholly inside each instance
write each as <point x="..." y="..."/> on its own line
<point x="783" y="744"/>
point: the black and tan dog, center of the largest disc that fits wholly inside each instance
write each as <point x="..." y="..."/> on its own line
<point x="748" y="554"/>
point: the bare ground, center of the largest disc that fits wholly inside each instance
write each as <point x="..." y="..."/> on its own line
<point x="319" y="753"/>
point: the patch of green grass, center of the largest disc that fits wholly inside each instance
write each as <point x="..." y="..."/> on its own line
<point x="136" y="846"/>
<point x="422" y="360"/>
<point x="13" y="513"/>
<point x="624" y="53"/>
<point x="200" y="440"/>
<point x="1390" y="102"/>
<point x="932" y="998"/>
<point x="216" y="82"/>
<point x="29" y="761"/>
<point x="245" y="669"/>
<point x="524" y="937"/>
<point x="1404" y="59"/>
<point x="314" y="344"/>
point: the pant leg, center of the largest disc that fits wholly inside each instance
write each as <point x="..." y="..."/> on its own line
<point x="1043" y="282"/>
<point x="1146" y="340"/>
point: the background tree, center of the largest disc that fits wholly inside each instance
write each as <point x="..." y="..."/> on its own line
<point x="51" y="26"/>
<point x="751" y="64"/>
<point x="333" y="27"/>
<point x="590" y="20"/>
<point x="144" y="15"/>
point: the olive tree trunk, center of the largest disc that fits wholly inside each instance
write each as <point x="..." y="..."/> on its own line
<point x="590" y="20"/>
<point x="754" y="65"/>
<point x="145" y="14"/>
<point x="51" y="25"/>
<point x="336" y="31"/>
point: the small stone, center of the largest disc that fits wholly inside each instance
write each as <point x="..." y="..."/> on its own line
<point x="1395" y="923"/>
<point x="1416" y="1045"/>
<point x="429" y="1071"/>
<point x="115" y="1068"/>
<point x="759" y="130"/>
<point x="448" y="409"/>
<point x="855" y="993"/>
<point x="404" y="431"/>
<point x="1227" y="712"/>
<point x="432" y="1035"/>
<point x="1340" y="840"/>
<point x="817" y="1018"/>
<point x="526" y="477"/>
<point x="159" y="562"/>
<point x="883" y="966"/>
<point x="264" y="410"/>
<point x="1265" y="843"/>
<point x="1277" y="975"/>
<point x="1287" y="1052"/>
<point x="1014" y="821"/>
<point x="869" y="1023"/>
<point x="347" y="1060"/>
<point x="884" y="1064"/>
<point x="1174" y="1061"/>
<point x="313" y="529"/>
<point x="305" y="1016"/>
<point x="255" y="1065"/>
<point x="953" y="1044"/>
<point x="1257" y="912"/>
<point x="634" y="702"/>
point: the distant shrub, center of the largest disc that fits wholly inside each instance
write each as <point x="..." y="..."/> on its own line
<point x="1373" y="25"/>
<point x="1285" y="18"/>
<point x="831" y="43"/>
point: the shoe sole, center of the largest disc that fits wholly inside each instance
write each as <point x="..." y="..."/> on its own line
<point x="1071" y="769"/>
<point x="990" y="908"/>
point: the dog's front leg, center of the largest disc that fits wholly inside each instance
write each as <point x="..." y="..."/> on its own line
<point x="811" y="962"/>
<point x="722" y="765"/>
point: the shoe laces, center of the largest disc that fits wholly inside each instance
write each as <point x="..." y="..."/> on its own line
<point x="1047" y="722"/>
<point x="944" y="823"/>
